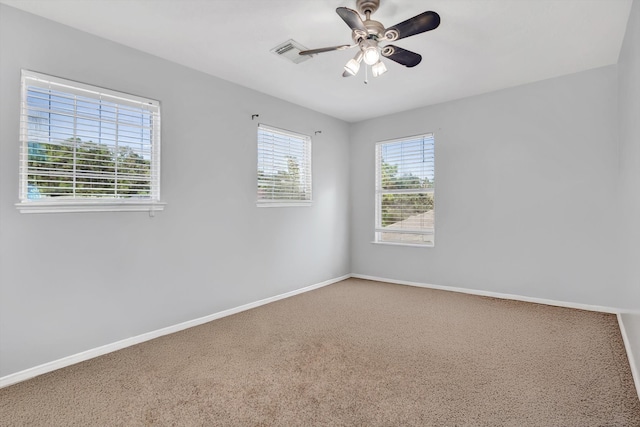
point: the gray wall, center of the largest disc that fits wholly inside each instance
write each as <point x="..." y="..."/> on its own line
<point x="629" y="119"/>
<point x="526" y="193"/>
<point x="73" y="282"/>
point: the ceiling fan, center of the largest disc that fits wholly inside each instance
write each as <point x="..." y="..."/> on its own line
<point x="367" y="34"/>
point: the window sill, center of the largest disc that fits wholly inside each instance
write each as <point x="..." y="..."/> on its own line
<point x="414" y="245"/>
<point x="89" y="206"/>
<point x="282" y="204"/>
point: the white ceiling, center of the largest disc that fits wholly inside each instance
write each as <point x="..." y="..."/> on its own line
<point x="480" y="46"/>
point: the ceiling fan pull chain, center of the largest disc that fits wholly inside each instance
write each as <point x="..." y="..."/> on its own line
<point x="366" y="74"/>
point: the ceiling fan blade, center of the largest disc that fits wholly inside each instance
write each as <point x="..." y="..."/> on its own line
<point x="401" y="56"/>
<point x="426" y="21"/>
<point x="326" y="49"/>
<point x="352" y="18"/>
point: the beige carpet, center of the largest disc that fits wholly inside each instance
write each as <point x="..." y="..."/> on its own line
<point x="353" y="353"/>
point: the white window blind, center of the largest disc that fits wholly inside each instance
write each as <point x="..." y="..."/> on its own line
<point x="83" y="147"/>
<point x="405" y="189"/>
<point x="284" y="167"/>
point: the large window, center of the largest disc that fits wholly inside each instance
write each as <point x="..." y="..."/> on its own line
<point x="405" y="191"/>
<point x="85" y="148"/>
<point x="284" y="167"/>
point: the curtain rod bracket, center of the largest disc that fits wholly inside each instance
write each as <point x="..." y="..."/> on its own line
<point x="253" y="116"/>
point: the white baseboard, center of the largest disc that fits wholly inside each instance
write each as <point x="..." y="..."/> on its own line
<point x="635" y="370"/>
<point x="579" y="306"/>
<point x="128" y="342"/>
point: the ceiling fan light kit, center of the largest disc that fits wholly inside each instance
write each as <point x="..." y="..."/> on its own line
<point x="367" y="35"/>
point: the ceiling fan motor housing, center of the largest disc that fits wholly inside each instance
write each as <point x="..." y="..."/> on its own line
<point x="374" y="28"/>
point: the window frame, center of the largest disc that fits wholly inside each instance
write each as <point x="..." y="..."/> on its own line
<point x="306" y="168"/>
<point x="75" y="203"/>
<point x="379" y="192"/>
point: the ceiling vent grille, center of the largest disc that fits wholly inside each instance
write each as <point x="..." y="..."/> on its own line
<point x="290" y="50"/>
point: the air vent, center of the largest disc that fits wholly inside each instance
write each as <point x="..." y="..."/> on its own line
<point x="290" y="50"/>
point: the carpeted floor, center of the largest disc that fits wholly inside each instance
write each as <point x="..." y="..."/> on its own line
<point x="353" y="353"/>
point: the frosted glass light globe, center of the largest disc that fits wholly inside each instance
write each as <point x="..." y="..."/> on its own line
<point x="371" y="55"/>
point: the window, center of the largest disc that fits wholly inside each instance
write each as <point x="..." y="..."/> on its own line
<point x="284" y="167"/>
<point x="405" y="191"/>
<point x="85" y="148"/>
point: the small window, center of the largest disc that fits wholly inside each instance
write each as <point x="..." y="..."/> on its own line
<point x="284" y="167"/>
<point x="405" y="191"/>
<point x="85" y="148"/>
